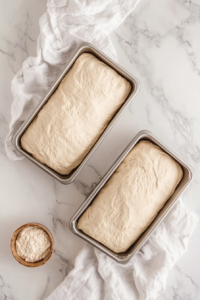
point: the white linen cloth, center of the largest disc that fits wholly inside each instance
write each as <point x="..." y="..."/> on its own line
<point x="95" y="276"/>
<point x="98" y="277"/>
<point x="65" y="25"/>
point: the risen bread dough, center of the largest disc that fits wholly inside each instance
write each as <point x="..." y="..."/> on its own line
<point x="132" y="197"/>
<point x="70" y="123"/>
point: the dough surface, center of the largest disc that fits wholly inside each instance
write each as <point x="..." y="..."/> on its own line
<point x="68" y="126"/>
<point x="132" y="197"/>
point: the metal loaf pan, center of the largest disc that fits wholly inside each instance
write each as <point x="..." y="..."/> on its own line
<point x="125" y="256"/>
<point x="67" y="179"/>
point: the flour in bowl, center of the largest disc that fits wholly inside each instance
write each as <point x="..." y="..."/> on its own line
<point x="33" y="244"/>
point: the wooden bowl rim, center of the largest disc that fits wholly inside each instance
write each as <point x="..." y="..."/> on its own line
<point x="21" y="260"/>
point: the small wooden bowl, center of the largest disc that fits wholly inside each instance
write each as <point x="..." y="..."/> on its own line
<point x="21" y="260"/>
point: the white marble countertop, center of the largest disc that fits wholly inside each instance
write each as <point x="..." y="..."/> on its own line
<point x="159" y="43"/>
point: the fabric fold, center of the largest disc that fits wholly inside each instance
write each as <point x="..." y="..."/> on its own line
<point x="65" y="25"/>
<point x="97" y="276"/>
<point x="63" y="28"/>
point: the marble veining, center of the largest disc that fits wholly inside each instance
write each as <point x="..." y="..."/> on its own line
<point x="83" y="187"/>
<point x="67" y="266"/>
<point x="140" y="42"/>
<point x="183" y="287"/>
<point x="5" y="290"/>
<point x="159" y="44"/>
<point x="44" y="293"/>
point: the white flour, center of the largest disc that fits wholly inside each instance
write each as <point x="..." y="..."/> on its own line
<point x="32" y="244"/>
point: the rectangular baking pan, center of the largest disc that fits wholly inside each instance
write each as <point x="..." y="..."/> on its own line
<point x="125" y="256"/>
<point x="67" y="179"/>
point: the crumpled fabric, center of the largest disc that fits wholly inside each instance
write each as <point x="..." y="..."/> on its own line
<point x="97" y="276"/>
<point x="65" y="25"/>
